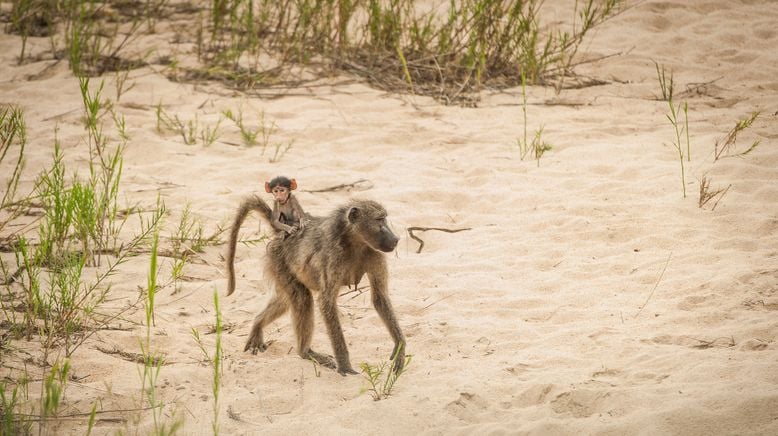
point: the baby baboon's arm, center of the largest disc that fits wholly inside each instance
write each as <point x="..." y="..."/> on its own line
<point x="299" y="214"/>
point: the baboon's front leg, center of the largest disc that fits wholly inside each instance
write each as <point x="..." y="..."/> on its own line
<point x="275" y="308"/>
<point x="302" y="319"/>
<point x="329" y="310"/>
<point x="382" y="304"/>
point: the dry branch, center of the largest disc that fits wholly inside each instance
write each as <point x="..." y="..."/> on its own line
<point x="345" y="186"/>
<point x="424" y="229"/>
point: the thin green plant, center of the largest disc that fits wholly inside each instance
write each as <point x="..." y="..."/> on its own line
<point x="266" y="130"/>
<point x="33" y="300"/>
<point x="190" y="235"/>
<point x="666" y="84"/>
<point x="120" y="83"/>
<point x="677" y="144"/>
<point x="248" y="135"/>
<point x="22" y="17"/>
<point x="105" y="168"/>
<point x="218" y="358"/>
<point x="13" y="135"/>
<point x="153" y="360"/>
<point x="281" y="148"/>
<point x="53" y="392"/>
<point x="12" y="401"/>
<point x="151" y="280"/>
<point x="215" y="361"/>
<point x="537" y="147"/>
<point x="381" y="378"/>
<point x="84" y="216"/>
<point x="209" y="135"/>
<point x="54" y="228"/>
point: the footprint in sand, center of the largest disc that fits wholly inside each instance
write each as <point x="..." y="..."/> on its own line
<point x="468" y="406"/>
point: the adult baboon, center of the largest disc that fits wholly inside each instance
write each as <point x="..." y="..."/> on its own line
<point x="331" y="252"/>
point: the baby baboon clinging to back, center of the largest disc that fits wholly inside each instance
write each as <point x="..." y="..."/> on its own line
<point x="288" y="216"/>
<point x="332" y="252"/>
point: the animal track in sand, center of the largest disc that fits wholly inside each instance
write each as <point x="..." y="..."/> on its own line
<point x="582" y="403"/>
<point x="468" y="406"/>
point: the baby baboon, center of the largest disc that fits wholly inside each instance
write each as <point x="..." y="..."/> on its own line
<point x="288" y="216"/>
<point x="332" y="252"/>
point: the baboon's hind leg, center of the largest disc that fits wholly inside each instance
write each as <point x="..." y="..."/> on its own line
<point x="302" y="319"/>
<point x="275" y="308"/>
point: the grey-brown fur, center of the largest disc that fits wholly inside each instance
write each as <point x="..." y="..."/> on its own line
<point x="332" y="252"/>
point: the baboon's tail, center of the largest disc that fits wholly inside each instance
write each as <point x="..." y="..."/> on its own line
<point x="248" y="204"/>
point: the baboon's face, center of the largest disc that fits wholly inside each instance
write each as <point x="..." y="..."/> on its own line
<point x="374" y="229"/>
<point x="281" y="194"/>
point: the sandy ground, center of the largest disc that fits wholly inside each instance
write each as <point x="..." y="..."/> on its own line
<point x="587" y="297"/>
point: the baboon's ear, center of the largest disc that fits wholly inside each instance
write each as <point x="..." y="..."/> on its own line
<point x="267" y="187"/>
<point x="353" y="214"/>
<point x="293" y="185"/>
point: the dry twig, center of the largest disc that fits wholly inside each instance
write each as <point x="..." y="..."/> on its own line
<point x="655" y="284"/>
<point x="361" y="185"/>
<point x="424" y="229"/>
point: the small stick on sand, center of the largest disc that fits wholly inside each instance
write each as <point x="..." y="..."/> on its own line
<point x="655" y="284"/>
<point x="424" y="229"/>
<point x="346" y="186"/>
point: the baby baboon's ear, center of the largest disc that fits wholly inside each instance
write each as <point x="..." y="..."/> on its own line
<point x="293" y="185"/>
<point x="267" y="187"/>
<point x="353" y="214"/>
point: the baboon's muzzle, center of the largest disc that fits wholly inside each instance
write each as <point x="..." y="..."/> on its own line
<point x="388" y="243"/>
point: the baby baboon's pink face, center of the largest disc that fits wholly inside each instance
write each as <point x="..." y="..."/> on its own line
<point x="281" y="194"/>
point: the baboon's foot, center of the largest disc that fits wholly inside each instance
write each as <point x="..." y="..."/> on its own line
<point x="345" y="370"/>
<point x="322" y="359"/>
<point x="255" y="343"/>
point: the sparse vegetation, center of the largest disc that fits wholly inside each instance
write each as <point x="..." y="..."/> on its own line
<point x="722" y="148"/>
<point x="448" y="50"/>
<point x="190" y="130"/>
<point x="48" y="298"/>
<point x="537" y="147"/>
<point x="725" y="147"/>
<point x="673" y="116"/>
<point x="13" y="140"/>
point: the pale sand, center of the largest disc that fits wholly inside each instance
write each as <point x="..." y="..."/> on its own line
<point x="531" y="321"/>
